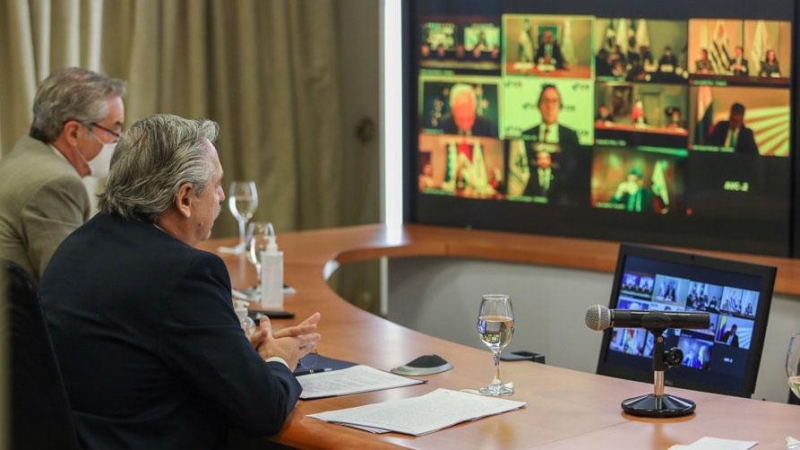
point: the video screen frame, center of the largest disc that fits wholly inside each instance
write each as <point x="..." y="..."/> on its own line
<point x="700" y="372"/>
<point x="430" y="209"/>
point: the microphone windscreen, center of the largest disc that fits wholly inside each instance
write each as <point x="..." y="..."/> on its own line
<point x="598" y="317"/>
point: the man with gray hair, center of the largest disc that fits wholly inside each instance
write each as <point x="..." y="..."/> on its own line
<point x="150" y="348"/>
<point x="464" y="119"/>
<point x="77" y="120"/>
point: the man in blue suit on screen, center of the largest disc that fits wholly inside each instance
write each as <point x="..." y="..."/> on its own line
<point x="152" y="353"/>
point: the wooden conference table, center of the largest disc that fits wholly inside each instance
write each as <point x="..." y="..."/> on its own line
<point x="566" y="409"/>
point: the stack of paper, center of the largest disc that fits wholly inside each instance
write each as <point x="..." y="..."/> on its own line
<point x="416" y="416"/>
<point x="711" y="443"/>
<point x="353" y="380"/>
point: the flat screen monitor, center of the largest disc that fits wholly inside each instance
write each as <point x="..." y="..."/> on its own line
<point x="613" y="119"/>
<point x="722" y="359"/>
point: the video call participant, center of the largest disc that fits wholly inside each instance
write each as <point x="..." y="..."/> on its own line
<point x="463" y="118"/>
<point x="550" y="131"/>
<point x="730" y="337"/>
<point x="482" y="43"/>
<point x="482" y="50"/>
<point x="152" y="353"/>
<point x="733" y="134"/>
<point x="640" y="65"/>
<point x="674" y="119"/>
<point x="425" y="179"/>
<point x="543" y="181"/>
<point x="549" y="52"/>
<point x="604" y="116"/>
<point x="618" y="63"/>
<point x="602" y="64"/>
<point x="696" y="357"/>
<point x="637" y="114"/>
<point x="77" y="118"/>
<point x="737" y="63"/>
<point x="704" y="64"/>
<point x="633" y="194"/>
<point x="668" y="61"/>
<point x="770" y="66"/>
<point x="632" y="56"/>
<point x="440" y="52"/>
<point x="425" y="50"/>
<point x="647" y="58"/>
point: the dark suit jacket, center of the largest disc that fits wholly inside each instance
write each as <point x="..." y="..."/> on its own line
<point x="481" y="127"/>
<point x="745" y="144"/>
<point x="534" y="189"/>
<point x="556" y="55"/>
<point x="151" y="350"/>
<point x="567" y="137"/>
<point x="670" y="60"/>
<point x="734" y="342"/>
<point x="767" y="69"/>
<point x="744" y="70"/>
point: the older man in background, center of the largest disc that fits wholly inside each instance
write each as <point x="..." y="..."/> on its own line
<point x="464" y="119"/>
<point x="77" y="120"/>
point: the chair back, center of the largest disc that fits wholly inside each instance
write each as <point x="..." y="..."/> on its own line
<point x="41" y="417"/>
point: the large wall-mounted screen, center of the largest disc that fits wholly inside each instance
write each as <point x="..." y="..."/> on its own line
<point x="623" y="120"/>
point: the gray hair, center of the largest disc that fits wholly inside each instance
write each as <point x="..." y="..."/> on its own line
<point x="152" y="161"/>
<point x="460" y="89"/>
<point x="72" y="94"/>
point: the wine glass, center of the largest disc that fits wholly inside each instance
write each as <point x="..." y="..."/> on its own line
<point x="793" y="364"/>
<point x="496" y="327"/>
<point x="257" y="240"/>
<point x="242" y="201"/>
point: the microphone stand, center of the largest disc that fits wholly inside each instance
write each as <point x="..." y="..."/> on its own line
<point x="659" y="404"/>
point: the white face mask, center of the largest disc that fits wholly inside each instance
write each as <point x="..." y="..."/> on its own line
<point x="101" y="163"/>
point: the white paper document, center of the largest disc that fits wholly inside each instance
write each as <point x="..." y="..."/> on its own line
<point x="416" y="416"/>
<point x="353" y="380"/>
<point x="710" y="443"/>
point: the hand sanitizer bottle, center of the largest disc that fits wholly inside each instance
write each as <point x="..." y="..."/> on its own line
<point x="272" y="273"/>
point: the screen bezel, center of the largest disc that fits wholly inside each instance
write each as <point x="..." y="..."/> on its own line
<point x="767" y="277"/>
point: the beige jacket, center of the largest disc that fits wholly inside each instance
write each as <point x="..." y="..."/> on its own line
<point x="42" y="200"/>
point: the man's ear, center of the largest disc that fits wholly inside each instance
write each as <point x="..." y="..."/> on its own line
<point x="184" y="199"/>
<point x="70" y="131"/>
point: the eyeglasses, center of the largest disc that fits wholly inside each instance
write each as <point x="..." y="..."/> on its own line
<point x="111" y="132"/>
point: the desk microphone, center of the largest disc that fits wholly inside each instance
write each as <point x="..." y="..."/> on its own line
<point x="599" y="318"/>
